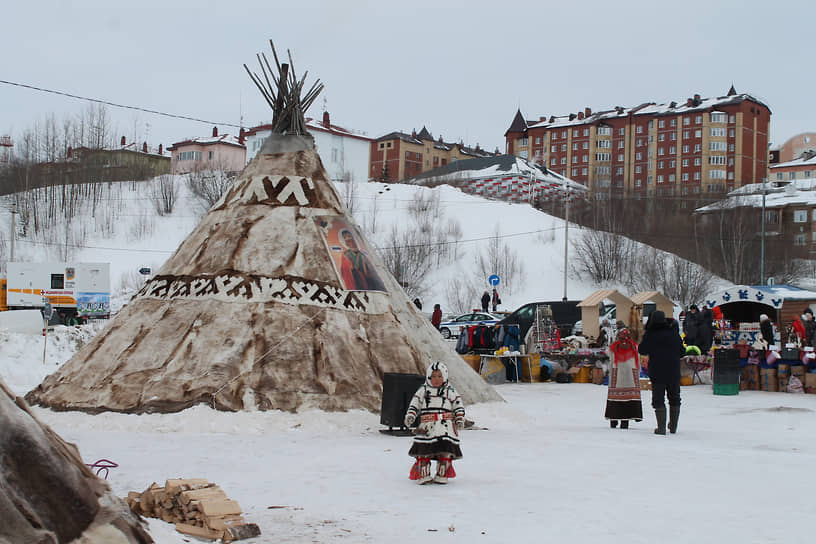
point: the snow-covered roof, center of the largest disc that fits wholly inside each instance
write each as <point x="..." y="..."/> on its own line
<point x="486" y="167"/>
<point x="804" y="160"/>
<point x="210" y="140"/>
<point x="799" y="192"/>
<point x="649" y="108"/>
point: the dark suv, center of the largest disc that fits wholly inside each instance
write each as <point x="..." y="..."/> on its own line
<point x="565" y="314"/>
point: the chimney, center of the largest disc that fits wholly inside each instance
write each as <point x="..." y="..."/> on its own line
<point x="587" y="112"/>
<point x="241" y="136"/>
<point x="688" y="102"/>
<point x="215" y="132"/>
<point x="160" y="149"/>
<point x="580" y="115"/>
<point x="552" y="118"/>
<point x="326" y="121"/>
<point x="673" y="105"/>
<point x="413" y="134"/>
<point x="144" y="147"/>
<point x="572" y="116"/>
<point x="123" y="141"/>
<point x="542" y="119"/>
<point x="696" y="97"/>
<point x="619" y="109"/>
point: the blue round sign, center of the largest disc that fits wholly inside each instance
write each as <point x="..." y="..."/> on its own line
<point x="493" y="280"/>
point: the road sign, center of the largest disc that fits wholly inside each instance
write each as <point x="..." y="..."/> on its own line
<point x="493" y="280"/>
<point x="145" y="271"/>
<point x="47" y="310"/>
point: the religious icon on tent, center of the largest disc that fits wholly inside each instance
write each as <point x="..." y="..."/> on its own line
<point x="349" y="254"/>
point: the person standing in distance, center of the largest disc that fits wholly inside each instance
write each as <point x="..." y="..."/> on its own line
<point x="436" y="316"/>
<point x="664" y="347"/>
<point x="485" y="301"/>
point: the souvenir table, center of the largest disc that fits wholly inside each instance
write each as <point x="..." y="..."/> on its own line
<point x="697" y="363"/>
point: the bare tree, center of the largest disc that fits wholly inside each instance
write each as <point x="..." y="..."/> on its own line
<point x="408" y="255"/>
<point x="601" y="255"/>
<point x="209" y="185"/>
<point x="500" y="259"/>
<point x="164" y="193"/>
<point x="461" y="294"/>
<point x="349" y="192"/>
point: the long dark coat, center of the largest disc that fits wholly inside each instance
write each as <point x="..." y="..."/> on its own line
<point x="664" y="347"/>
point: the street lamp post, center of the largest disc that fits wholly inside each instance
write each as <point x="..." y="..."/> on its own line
<point x="762" y="239"/>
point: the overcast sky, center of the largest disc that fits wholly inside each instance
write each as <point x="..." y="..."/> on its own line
<point x="460" y="68"/>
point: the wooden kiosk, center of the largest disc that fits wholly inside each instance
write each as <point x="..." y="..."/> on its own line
<point x="590" y="310"/>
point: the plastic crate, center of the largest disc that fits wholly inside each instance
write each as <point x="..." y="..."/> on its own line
<point x="726" y="389"/>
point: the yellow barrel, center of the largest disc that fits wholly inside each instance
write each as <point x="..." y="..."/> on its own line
<point x="531" y="367"/>
<point x="584" y="374"/>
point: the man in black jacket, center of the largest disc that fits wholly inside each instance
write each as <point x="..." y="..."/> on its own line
<point x="663" y="345"/>
<point x="766" y="328"/>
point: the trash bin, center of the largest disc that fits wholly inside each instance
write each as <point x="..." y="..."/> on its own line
<point x="726" y="372"/>
<point x="398" y="389"/>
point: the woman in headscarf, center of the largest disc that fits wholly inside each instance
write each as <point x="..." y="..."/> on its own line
<point x="623" y="394"/>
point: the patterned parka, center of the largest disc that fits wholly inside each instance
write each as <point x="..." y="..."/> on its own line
<point x="441" y="414"/>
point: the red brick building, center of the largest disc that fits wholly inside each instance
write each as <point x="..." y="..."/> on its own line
<point x="398" y="156"/>
<point x="702" y="147"/>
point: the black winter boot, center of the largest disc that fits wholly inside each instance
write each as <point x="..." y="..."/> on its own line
<point x="613" y="423"/>
<point x="674" y="415"/>
<point x="660" y="414"/>
<point x="624" y="424"/>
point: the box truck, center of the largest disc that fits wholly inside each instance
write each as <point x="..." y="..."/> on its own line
<point x="76" y="291"/>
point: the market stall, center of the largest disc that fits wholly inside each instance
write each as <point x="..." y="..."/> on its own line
<point x="741" y="306"/>
<point x="591" y="306"/>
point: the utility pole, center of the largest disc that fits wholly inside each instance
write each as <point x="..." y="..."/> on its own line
<point x="566" y="235"/>
<point x="13" y="214"/>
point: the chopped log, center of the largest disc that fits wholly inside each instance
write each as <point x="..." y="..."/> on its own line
<point x="223" y="523"/>
<point x="248" y="530"/>
<point x="174" y="486"/>
<point x="219" y="507"/>
<point x="213" y="492"/>
<point x="203" y="532"/>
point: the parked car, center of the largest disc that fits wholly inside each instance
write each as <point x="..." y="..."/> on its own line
<point x="452" y="326"/>
<point x="564" y="314"/>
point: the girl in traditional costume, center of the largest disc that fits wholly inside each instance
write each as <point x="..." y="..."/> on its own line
<point x="441" y="414"/>
<point x="623" y="395"/>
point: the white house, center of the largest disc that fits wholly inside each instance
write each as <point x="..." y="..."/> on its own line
<point x="344" y="153"/>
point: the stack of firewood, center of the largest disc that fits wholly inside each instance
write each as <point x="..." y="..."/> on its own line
<point x="196" y="507"/>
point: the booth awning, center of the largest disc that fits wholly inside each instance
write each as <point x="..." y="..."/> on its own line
<point x="769" y="295"/>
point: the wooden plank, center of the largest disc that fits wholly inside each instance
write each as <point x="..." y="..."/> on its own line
<point x="213" y="492"/>
<point x="219" y="507"/>
<point x="174" y="486"/>
<point x="223" y="523"/>
<point x="203" y="532"/>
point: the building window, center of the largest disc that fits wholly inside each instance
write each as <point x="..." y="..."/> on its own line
<point x="638" y="156"/>
<point x="584" y="158"/>
<point x="639" y="142"/>
<point x="731" y="132"/>
<point x="538" y="140"/>
<point x="717" y="132"/>
<point x="638" y="182"/>
<point x="696" y="161"/>
<point x="620" y="157"/>
<point x="648" y="180"/>
<point x="672" y="163"/>
<point x="661" y="123"/>
<point x="621" y="131"/>
<point x="698" y="133"/>
<point x="716" y="174"/>
<point x="731" y="148"/>
<point x="574" y="172"/>
<point x="686" y="120"/>
<point x="605" y="143"/>
<point x="731" y="119"/>
<point x="553" y="161"/>
<point x="686" y="135"/>
<point x="603" y="157"/>
<point x="584" y="171"/>
<point x="673" y="122"/>
<point x="563" y="160"/>
<point x="621" y="144"/>
<point x="659" y="165"/>
<point x="553" y="148"/>
<point x="660" y="178"/>
<point x="563" y="133"/>
<point x="698" y="119"/>
<point x="586" y="132"/>
<point x="671" y="178"/>
<point x="563" y="147"/>
<point x="686" y="149"/>
<point x="779" y="175"/>
<point x="619" y="172"/>
<point x="673" y="136"/>
<point x="575" y="146"/>
<point x="799" y="239"/>
<point x="555" y="136"/>
<point x="716" y="159"/>
<point x="730" y="175"/>
<point x="717" y="146"/>
<point x="660" y="151"/>
<point x="697" y="148"/>
<point x="800" y="216"/>
<point x="651" y="123"/>
<point x="638" y="170"/>
<point x="575" y="158"/>
<point x="640" y="129"/>
<point x="661" y="137"/>
<point x="696" y="175"/>
<point x="651" y="138"/>
<point x="586" y="145"/>
<point x="672" y="150"/>
<point x="604" y="131"/>
<point x="718" y="117"/>
<point x="685" y="162"/>
<point x="523" y="142"/>
<point x="575" y="133"/>
<point x="684" y="177"/>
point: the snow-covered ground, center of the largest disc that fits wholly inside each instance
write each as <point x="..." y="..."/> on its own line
<point x="547" y="468"/>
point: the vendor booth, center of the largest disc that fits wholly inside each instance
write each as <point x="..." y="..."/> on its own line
<point x="741" y="306"/>
<point x="659" y="300"/>
<point x="591" y="305"/>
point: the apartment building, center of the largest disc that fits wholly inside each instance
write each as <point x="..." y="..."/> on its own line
<point x="398" y="156"/>
<point x="803" y="167"/>
<point x="223" y="152"/>
<point x="704" y="147"/>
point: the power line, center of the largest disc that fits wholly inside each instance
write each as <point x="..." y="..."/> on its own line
<point x="114" y="104"/>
